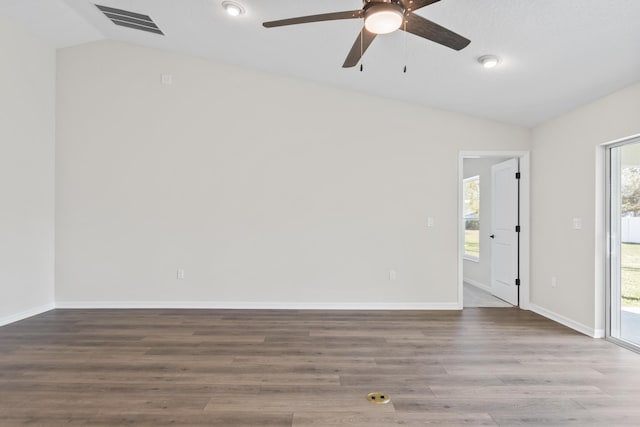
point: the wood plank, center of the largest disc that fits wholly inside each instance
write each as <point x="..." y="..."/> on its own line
<point x="310" y="368"/>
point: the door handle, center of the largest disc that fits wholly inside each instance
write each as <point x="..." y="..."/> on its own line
<point x="493" y="236"/>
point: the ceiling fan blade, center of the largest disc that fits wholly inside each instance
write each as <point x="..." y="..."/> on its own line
<point x="359" y="48"/>
<point x="350" y="14"/>
<point x="411" y="5"/>
<point x="429" y="30"/>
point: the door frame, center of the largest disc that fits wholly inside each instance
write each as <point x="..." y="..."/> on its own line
<point x="525" y="223"/>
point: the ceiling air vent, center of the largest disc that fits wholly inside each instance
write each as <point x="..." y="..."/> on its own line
<point x="124" y="18"/>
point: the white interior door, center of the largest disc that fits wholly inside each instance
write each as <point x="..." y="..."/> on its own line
<point x="504" y="242"/>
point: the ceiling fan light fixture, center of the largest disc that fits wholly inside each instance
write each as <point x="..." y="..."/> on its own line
<point x="232" y="8"/>
<point x="383" y="18"/>
<point x="489" y="61"/>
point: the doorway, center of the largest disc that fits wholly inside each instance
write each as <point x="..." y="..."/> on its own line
<point x="623" y="222"/>
<point x="493" y="208"/>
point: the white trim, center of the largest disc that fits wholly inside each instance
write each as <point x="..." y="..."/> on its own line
<point x="478" y="284"/>
<point x="26" y="313"/>
<point x="577" y="326"/>
<point x="621" y="141"/>
<point x="257" y="305"/>
<point x="601" y="236"/>
<point x="525" y="222"/>
<point x="525" y="234"/>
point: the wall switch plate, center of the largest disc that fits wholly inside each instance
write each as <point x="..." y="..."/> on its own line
<point x="554" y="282"/>
<point x="167" y="79"/>
<point x="180" y="273"/>
<point x="392" y="275"/>
<point x="430" y="221"/>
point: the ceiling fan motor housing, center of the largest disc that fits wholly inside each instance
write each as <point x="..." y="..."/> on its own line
<point x="369" y="2"/>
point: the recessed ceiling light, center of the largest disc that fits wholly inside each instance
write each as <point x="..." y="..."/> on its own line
<point x="232" y="8"/>
<point x="489" y="61"/>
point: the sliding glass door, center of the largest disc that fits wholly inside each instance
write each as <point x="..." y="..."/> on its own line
<point x="623" y="290"/>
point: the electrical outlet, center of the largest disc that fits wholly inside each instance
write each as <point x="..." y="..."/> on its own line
<point x="392" y="275"/>
<point x="577" y="223"/>
<point x="180" y="274"/>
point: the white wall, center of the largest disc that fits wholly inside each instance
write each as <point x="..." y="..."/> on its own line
<point x="568" y="183"/>
<point x="27" y="120"/>
<point x="267" y="191"/>
<point x="479" y="272"/>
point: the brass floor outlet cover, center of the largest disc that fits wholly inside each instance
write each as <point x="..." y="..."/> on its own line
<point x="378" y="397"/>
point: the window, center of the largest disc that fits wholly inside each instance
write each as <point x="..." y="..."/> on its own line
<point x="471" y="217"/>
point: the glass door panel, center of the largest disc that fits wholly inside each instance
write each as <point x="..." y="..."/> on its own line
<point x="624" y="244"/>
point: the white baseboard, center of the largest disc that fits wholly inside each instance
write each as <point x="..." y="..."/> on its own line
<point x="477" y="284"/>
<point x="26" y="313"/>
<point x="594" y="333"/>
<point x="256" y="305"/>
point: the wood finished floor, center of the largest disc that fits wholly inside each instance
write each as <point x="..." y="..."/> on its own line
<point x="482" y="366"/>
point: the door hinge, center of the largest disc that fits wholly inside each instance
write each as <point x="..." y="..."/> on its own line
<point x="517" y="175"/>
<point x="517" y="282"/>
<point x="517" y="228"/>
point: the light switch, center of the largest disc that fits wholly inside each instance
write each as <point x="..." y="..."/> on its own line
<point x="430" y="221"/>
<point x="577" y="223"/>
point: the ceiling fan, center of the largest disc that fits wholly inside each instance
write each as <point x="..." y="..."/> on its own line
<point x="382" y="17"/>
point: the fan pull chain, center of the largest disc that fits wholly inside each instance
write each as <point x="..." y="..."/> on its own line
<point x="405" y="44"/>
<point x="361" y="47"/>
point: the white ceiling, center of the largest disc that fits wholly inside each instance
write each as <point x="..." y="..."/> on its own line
<point x="556" y="55"/>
